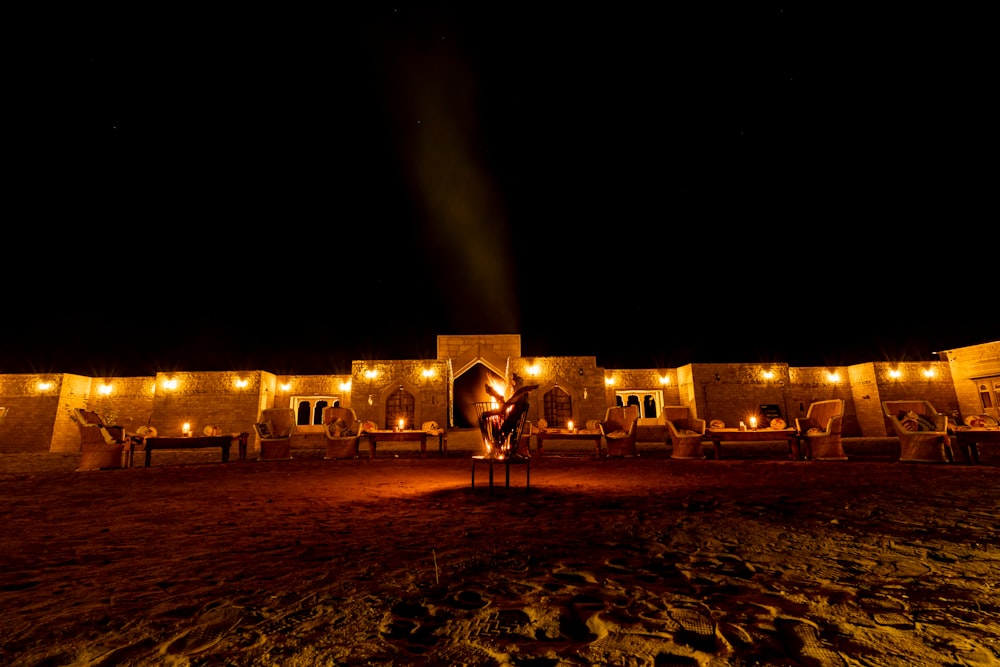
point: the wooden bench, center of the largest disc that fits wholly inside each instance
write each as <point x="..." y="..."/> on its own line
<point x="194" y="442"/>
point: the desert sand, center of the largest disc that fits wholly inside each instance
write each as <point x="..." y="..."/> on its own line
<point x="751" y="560"/>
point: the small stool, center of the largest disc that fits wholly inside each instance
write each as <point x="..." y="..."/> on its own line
<point x="506" y="463"/>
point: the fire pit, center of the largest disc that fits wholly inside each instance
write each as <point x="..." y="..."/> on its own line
<point x="501" y="423"/>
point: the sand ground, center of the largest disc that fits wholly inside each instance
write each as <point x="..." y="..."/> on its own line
<point x="752" y="560"/>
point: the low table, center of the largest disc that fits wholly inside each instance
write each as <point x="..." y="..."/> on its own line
<point x="566" y="434"/>
<point x="969" y="440"/>
<point x="720" y="435"/>
<point x="194" y="442"/>
<point x="398" y="436"/>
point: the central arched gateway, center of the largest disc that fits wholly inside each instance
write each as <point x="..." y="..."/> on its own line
<point x="471" y="369"/>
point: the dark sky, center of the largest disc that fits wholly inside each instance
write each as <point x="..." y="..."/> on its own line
<point x="292" y="191"/>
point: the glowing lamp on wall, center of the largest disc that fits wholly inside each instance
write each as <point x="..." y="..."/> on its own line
<point x="44" y="386"/>
<point x="241" y="383"/>
<point x="929" y="372"/>
<point x="768" y="375"/>
<point x="895" y="373"/>
<point x="534" y="370"/>
<point x="345" y="386"/>
<point x="664" y="379"/>
<point x="427" y="372"/>
<point x="609" y="381"/>
<point x="285" y="386"/>
<point x="170" y="384"/>
<point x="833" y="377"/>
<point x="104" y="389"/>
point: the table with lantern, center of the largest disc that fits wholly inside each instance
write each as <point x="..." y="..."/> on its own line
<point x="400" y="435"/>
<point x="224" y="442"/>
<point x="720" y="435"/>
<point x="543" y="434"/>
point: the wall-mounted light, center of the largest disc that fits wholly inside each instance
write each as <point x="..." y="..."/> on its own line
<point x="895" y="373"/>
<point x="44" y="386"/>
<point x="929" y="372"/>
<point x="241" y="383"/>
<point x="170" y="384"/>
<point x="104" y="389"/>
<point x="428" y="372"/>
<point x="371" y="373"/>
<point x="768" y="375"/>
<point x="833" y="377"/>
<point x="664" y="379"/>
<point x="534" y="370"/>
<point x="609" y="381"/>
<point x="345" y="386"/>
<point x="285" y="386"/>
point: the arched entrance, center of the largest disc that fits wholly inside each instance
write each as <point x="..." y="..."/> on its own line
<point x="470" y="388"/>
<point x="400" y="405"/>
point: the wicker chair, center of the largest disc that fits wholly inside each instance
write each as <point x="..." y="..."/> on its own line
<point x="102" y="446"/>
<point x="618" y="429"/>
<point x="275" y="430"/>
<point x="819" y="431"/>
<point x="923" y="433"/>
<point x="684" y="432"/>
<point x="343" y="433"/>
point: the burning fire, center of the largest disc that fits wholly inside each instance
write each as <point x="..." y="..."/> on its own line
<point x="502" y="418"/>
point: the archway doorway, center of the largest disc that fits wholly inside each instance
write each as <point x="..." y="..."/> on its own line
<point x="470" y="388"/>
<point x="400" y="405"/>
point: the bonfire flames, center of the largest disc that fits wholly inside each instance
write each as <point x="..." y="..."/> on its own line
<point x="502" y="419"/>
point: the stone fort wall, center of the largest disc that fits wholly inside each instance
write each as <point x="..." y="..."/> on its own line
<point x="39" y="405"/>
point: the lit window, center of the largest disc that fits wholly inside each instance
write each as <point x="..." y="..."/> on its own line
<point x="649" y="401"/>
<point x="309" y="409"/>
<point x="986" y="396"/>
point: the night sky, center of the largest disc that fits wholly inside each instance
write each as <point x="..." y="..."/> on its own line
<point x="290" y="192"/>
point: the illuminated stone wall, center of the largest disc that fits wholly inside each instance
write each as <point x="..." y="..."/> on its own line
<point x="734" y="392"/>
<point x="579" y="377"/>
<point x="926" y="381"/>
<point x="33" y="404"/>
<point x="970" y="367"/>
<point x="663" y="380"/>
<point x="229" y="400"/>
<point x="372" y="383"/>
<point x="502" y="345"/>
<point x="865" y="403"/>
<point x="39" y="418"/>
<point x="126" y="402"/>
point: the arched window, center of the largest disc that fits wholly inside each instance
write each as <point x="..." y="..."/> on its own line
<point x="309" y="409"/>
<point x="649" y="401"/>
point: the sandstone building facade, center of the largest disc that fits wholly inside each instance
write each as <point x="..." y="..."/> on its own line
<point x="963" y="381"/>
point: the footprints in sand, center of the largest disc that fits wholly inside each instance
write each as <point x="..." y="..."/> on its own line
<point x="643" y="604"/>
<point x="605" y="615"/>
<point x="683" y="598"/>
<point x="212" y="626"/>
